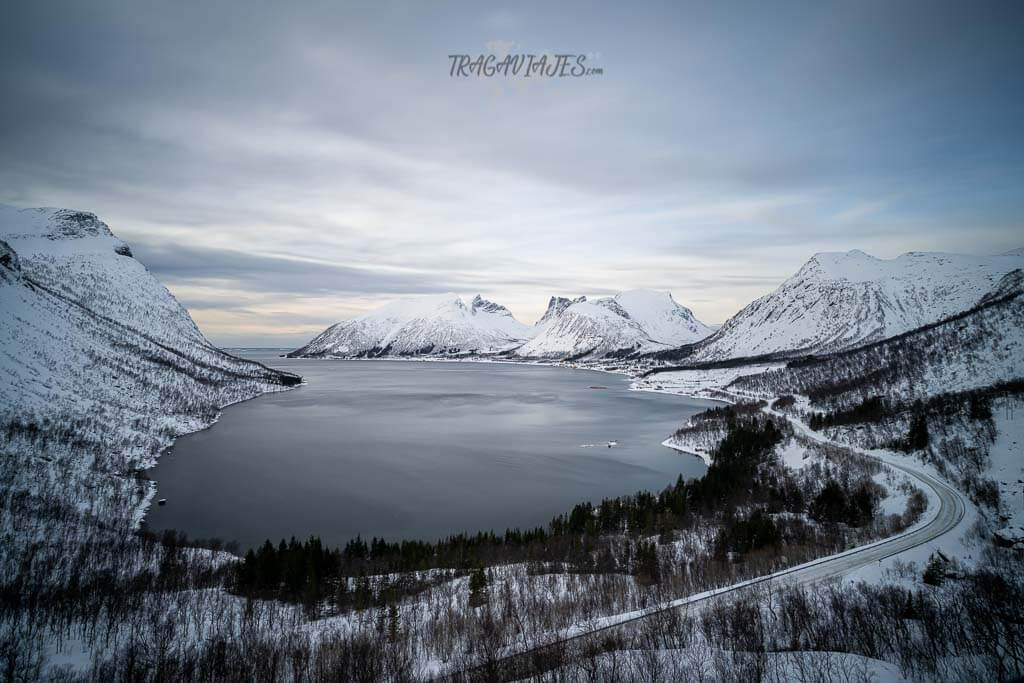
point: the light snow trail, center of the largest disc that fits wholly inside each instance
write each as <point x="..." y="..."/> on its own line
<point x="938" y="522"/>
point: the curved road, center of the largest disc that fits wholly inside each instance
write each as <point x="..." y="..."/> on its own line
<point x="951" y="511"/>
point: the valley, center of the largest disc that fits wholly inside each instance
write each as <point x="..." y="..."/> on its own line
<point x="857" y="424"/>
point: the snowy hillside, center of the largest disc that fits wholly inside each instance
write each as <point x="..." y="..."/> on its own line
<point x="977" y="348"/>
<point x="438" y="325"/>
<point x="100" y="367"/>
<point x="638" y="320"/>
<point x="840" y="300"/>
<point x="664" y="320"/>
<point x="582" y="329"/>
<point x="948" y="390"/>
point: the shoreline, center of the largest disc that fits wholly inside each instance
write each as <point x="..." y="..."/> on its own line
<point x="139" y="517"/>
<point x="667" y="443"/>
<point x="540" y="363"/>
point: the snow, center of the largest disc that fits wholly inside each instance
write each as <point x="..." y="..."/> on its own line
<point x="585" y="328"/>
<point x="635" y="320"/>
<point x="700" y="383"/>
<point x="895" y="502"/>
<point x="794" y="455"/>
<point x="101" y="364"/>
<point x="958" y="543"/>
<point x="445" y="325"/>
<point x="71" y="655"/>
<point x="840" y="300"/>
<point x="703" y="662"/>
<point x="556" y="305"/>
<point x="690" y="449"/>
<point x="442" y="324"/>
<point x="88" y="334"/>
<point x="988" y="341"/>
<point x="664" y="320"/>
<point x="1006" y="467"/>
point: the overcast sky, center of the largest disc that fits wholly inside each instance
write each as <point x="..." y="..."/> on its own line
<point x="281" y="168"/>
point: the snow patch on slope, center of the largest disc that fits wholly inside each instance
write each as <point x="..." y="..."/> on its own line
<point x="1006" y="467"/>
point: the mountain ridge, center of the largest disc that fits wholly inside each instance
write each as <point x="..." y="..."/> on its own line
<point x="630" y="322"/>
<point x="839" y="300"/>
<point x="442" y="324"/>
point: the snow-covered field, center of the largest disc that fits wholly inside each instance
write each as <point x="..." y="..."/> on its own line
<point x="701" y="383"/>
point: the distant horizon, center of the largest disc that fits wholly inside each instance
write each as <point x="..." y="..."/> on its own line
<point x="714" y="325"/>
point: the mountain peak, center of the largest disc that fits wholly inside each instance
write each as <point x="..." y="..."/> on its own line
<point x="837" y="265"/>
<point x="630" y="321"/>
<point x="556" y="305"/>
<point x="840" y="300"/>
<point x="53" y="224"/>
<point x="437" y="324"/>
<point x="481" y="304"/>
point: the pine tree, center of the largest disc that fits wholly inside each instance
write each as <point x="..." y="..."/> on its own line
<point x="830" y="505"/>
<point x="917" y="439"/>
<point x="477" y="587"/>
<point x="934" y="573"/>
<point x="980" y="408"/>
<point x="648" y="569"/>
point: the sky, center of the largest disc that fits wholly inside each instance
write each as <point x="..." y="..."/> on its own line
<point x="284" y="166"/>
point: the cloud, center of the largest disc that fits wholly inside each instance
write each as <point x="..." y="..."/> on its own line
<point x="501" y="48"/>
<point x="263" y="273"/>
<point x="270" y="161"/>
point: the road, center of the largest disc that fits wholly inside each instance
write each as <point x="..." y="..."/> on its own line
<point x="950" y="512"/>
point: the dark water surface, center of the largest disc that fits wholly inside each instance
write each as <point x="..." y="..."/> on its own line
<point x="417" y="450"/>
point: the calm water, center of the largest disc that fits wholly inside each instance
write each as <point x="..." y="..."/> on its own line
<point x="417" y="450"/>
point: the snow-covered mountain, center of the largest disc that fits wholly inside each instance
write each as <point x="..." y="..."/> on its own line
<point x="100" y="367"/>
<point x="432" y="325"/>
<point x="637" y="320"/>
<point x="972" y="349"/>
<point x="841" y="300"/>
<point x="665" y="321"/>
<point x="556" y="305"/>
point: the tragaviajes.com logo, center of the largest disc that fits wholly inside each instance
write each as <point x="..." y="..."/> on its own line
<point x="521" y="65"/>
